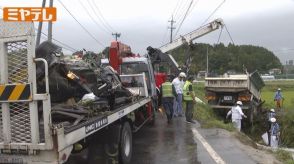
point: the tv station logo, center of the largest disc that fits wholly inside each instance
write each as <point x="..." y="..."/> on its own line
<point x="36" y="14"/>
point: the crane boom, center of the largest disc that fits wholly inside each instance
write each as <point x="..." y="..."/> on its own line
<point x="187" y="38"/>
<point x="160" y="55"/>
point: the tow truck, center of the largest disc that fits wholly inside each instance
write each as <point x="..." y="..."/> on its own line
<point x="28" y="133"/>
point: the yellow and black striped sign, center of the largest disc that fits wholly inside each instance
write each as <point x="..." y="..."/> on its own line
<point x="15" y="92"/>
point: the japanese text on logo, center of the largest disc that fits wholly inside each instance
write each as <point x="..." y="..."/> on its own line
<point x="37" y="14"/>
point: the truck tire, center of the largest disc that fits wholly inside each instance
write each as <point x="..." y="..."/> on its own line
<point x="126" y="144"/>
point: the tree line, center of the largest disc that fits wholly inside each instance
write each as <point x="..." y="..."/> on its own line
<point x="230" y="58"/>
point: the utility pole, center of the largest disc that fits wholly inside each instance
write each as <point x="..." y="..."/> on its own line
<point x="50" y="24"/>
<point x="116" y="35"/>
<point x="40" y="27"/>
<point x="171" y="28"/>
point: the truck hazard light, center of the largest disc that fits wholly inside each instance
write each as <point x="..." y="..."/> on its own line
<point x="15" y="92"/>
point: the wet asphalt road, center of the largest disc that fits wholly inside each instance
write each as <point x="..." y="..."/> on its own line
<point x="175" y="144"/>
<point x="165" y="143"/>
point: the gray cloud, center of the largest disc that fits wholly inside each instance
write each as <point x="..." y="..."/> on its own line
<point x="271" y="30"/>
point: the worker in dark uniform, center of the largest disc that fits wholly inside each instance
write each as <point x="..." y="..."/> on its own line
<point x="168" y="93"/>
<point x="189" y="98"/>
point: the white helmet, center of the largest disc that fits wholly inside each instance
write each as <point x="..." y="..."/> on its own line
<point x="273" y="119"/>
<point x="272" y="110"/>
<point x="239" y="103"/>
<point x="182" y="74"/>
<point x="279" y="89"/>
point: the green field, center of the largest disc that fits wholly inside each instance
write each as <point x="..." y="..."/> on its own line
<point x="285" y="117"/>
<point x="267" y="94"/>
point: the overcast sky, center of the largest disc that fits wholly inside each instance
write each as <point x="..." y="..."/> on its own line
<point x="144" y="23"/>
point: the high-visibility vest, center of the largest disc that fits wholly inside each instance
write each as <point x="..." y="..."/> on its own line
<point x="186" y="94"/>
<point x="167" y="89"/>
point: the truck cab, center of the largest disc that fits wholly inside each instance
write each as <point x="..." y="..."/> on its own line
<point x="138" y="65"/>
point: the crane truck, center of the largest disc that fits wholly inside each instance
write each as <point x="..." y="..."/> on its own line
<point x="39" y="119"/>
<point x="160" y="55"/>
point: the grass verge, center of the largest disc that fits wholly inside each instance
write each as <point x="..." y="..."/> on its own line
<point x="284" y="156"/>
<point x="205" y="115"/>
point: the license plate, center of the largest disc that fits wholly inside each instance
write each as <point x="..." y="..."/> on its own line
<point x="11" y="160"/>
<point x="228" y="98"/>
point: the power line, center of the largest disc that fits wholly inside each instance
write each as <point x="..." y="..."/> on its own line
<point x="93" y="1"/>
<point x="179" y="27"/>
<point x="85" y="9"/>
<point x="176" y="7"/>
<point x="64" y="45"/>
<point x="179" y="8"/>
<point x="99" y="17"/>
<point x="188" y="11"/>
<point x="181" y="12"/>
<point x="192" y="8"/>
<point x="214" y="11"/>
<point x="67" y="46"/>
<point x="84" y="28"/>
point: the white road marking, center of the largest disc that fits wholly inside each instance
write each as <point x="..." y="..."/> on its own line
<point x="209" y="149"/>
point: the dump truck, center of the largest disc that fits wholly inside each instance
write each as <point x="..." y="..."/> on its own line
<point x="223" y="92"/>
<point x="52" y="110"/>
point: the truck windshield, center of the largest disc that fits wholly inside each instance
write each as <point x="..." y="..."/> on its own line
<point x="136" y="68"/>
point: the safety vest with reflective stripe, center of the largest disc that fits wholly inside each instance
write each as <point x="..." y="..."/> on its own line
<point x="167" y="89"/>
<point x="186" y="94"/>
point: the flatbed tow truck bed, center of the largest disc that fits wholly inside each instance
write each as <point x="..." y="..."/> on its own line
<point x="84" y="129"/>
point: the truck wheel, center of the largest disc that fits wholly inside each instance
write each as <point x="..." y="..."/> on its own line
<point x="126" y="144"/>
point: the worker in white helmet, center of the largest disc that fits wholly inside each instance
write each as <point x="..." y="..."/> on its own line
<point x="271" y="114"/>
<point x="275" y="133"/>
<point x="237" y="114"/>
<point x="178" y="83"/>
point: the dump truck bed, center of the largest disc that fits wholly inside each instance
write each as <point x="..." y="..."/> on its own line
<point x="235" y="83"/>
